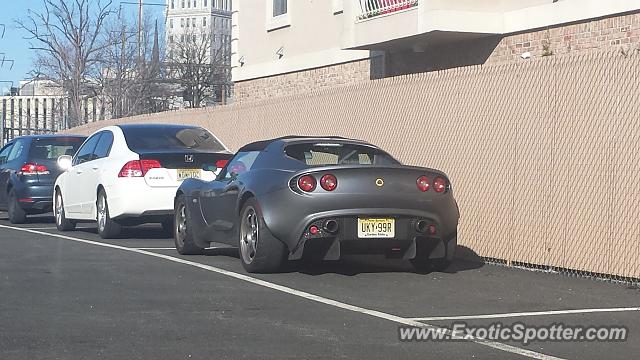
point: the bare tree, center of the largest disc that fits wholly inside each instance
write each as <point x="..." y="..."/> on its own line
<point x="68" y="37"/>
<point x="131" y="77"/>
<point x="200" y="68"/>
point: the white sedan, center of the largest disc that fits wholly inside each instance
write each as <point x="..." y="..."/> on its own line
<point x="128" y="175"/>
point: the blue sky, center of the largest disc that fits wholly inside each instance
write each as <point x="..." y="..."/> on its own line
<point x="17" y="48"/>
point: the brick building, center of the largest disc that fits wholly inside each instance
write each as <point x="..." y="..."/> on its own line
<point x="282" y="47"/>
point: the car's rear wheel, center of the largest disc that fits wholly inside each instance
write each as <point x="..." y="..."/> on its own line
<point x="260" y="251"/>
<point x="16" y="213"/>
<point x="167" y="226"/>
<point x="182" y="234"/>
<point x="107" y="228"/>
<point x="62" y="223"/>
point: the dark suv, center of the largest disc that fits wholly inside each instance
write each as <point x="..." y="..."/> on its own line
<point x="28" y="170"/>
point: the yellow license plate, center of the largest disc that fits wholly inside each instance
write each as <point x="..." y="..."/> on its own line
<point x="376" y="228"/>
<point x="188" y="174"/>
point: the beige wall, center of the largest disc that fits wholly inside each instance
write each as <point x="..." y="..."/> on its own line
<point x="313" y="38"/>
<point x="543" y="154"/>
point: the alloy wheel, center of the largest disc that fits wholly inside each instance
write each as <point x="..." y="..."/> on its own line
<point x="249" y="235"/>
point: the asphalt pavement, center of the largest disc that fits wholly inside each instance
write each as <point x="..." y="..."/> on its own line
<point x="75" y="296"/>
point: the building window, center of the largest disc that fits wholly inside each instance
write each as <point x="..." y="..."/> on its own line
<point x="183" y="4"/>
<point x="279" y="7"/>
<point x="173" y="4"/>
<point x="170" y="39"/>
<point x="204" y="22"/>
<point x="193" y="22"/>
<point x="171" y="23"/>
<point x="205" y="3"/>
<point x="182" y="22"/>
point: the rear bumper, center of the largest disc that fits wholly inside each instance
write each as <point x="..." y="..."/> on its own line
<point x="408" y="242"/>
<point x="35" y="198"/>
<point x="289" y="216"/>
<point x="133" y="198"/>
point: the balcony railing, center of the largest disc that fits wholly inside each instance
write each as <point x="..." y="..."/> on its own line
<point x="373" y="8"/>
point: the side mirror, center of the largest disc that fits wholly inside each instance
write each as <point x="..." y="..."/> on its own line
<point x="65" y="162"/>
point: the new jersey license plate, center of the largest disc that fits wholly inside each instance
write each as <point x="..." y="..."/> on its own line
<point x="376" y="228"/>
<point x="188" y="174"/>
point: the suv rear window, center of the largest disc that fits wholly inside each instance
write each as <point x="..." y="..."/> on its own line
<point x="171" y="138"/>
<point x="51" y="148"/>
<point x="326" y="154"/>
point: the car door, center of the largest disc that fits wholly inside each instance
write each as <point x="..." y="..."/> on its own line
<point x="219" y="201"/>
<point x="78" y="187"/>
<point x="4" y="174"/>
<point x="96" y="169"/>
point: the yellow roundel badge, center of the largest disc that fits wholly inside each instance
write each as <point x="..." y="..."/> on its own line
<point x="379" y="182"/>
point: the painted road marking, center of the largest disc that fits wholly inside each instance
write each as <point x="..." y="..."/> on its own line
<point x="305" y="295"/>
<point x="530" y="313"/>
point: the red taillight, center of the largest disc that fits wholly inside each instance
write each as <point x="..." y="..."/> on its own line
<point x="329" y="182"/>
<point x="31" y="169"/>
<point x="439" y="185"/>
<point x="138" y="168"/>
<point x="307" y="183"/>
<point x="423" y="183"/>
<point x="149" y="164"/>
<point x="221" y="163"/>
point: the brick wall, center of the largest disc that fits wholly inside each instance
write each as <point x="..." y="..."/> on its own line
<point x="302" y="81"/>
<point x="619" y="32"/>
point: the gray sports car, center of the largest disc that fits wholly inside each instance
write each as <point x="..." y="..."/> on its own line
<point x="308" y="197"/>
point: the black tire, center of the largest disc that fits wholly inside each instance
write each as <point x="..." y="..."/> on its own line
<point x="107" y="228"/>
<point x="182" y="235"/>
<point x="62" y="223"/>
<point x="422" y="262"/>
<point x="265" y="254"/>
<point x="167" y="226"/>
<point x="16" y="213"/>
<point x="440" y="265"/>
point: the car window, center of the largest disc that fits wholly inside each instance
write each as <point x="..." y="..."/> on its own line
<point x="170" y="138"/>
<point x="326" y="154"/>
<point x="241" y="163"/>
<point x="18" y="150"/>
<point x="4" y="153"/>
<point x="85" y="153"/>
<point x="104" y="145"/>
<point x="50" y="148"/>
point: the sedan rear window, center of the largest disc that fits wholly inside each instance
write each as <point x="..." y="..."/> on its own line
<point x="171" y="138"/>
<point x="326" y="154"/>
<point x="53" y="147"/>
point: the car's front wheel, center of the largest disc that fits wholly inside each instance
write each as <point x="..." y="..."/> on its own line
<point x="16" y="213"/>
<point x="260" y="251"/>
<point x="182" y="235"/>
<point x="107" y="228"/>
<point x="62" y="223"/>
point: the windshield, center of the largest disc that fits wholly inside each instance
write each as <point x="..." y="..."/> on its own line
<point x="53" y="147"/>
<point x="171" y="138"/>
<point x="326" y="154"/>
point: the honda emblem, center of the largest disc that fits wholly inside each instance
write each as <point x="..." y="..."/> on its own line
<point x="188" y="158"/>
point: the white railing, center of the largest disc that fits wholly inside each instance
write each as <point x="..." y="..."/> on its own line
<point x="372" y="8"/>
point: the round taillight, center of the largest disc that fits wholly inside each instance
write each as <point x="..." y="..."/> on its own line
<point x="329" y="182"/>
<point x="307" y="183"/>
<point x="439" y="185"/>
<point x="423" y="183"/>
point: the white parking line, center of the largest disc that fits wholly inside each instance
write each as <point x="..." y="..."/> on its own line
<point x="302" y="294"/>
<point x="523" y="314"/>
<point x="42" y="228"/>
